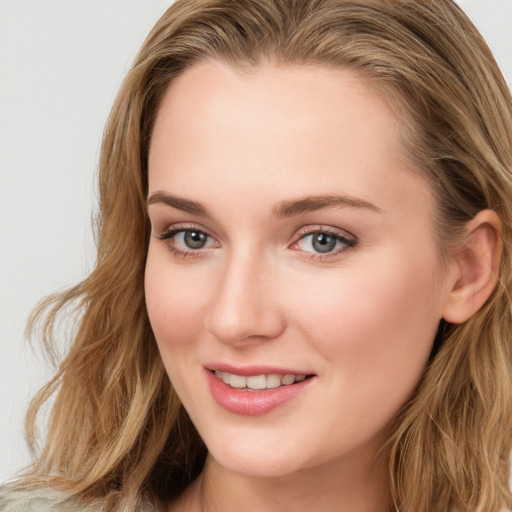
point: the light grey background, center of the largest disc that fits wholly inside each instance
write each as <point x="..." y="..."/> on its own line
<point x="61" y="62"/>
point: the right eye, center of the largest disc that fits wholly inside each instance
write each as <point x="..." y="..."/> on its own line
<point x="191" y="239"/>
<point x="187" y="241"/>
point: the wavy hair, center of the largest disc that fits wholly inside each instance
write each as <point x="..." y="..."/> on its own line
<point x="117" y="433"/>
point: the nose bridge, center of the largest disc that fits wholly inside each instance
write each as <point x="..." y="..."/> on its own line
<point x="244" y="306"/>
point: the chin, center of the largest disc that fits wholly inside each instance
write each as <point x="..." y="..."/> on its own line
<point x="258" y="466"/>
<point x="246" y="456"/>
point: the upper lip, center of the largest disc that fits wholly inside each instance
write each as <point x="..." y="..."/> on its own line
<point x="255" y="369"/>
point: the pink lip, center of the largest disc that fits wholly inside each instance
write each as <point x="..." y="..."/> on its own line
<point x="247" y="371"/>
<point x="253" y="403"/>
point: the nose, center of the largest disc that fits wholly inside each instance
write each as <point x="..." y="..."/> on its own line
<point x="245" y="306"/>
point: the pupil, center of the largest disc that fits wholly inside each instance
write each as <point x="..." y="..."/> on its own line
<point x="323" y="242"/>
<point x="195" y="239"/>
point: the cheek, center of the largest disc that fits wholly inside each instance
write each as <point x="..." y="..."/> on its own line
<point x="377" y="322"/>
<point x="173" y="298"/>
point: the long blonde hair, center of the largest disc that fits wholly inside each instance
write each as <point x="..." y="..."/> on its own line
<point x="117" y="433"/>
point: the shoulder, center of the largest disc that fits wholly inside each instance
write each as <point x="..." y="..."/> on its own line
<point x="20" y="499"/>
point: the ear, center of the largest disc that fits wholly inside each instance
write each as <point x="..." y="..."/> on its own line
<point x="474" y="267"/>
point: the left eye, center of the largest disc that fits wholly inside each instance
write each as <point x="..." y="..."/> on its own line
<point x="322" y="242"/>
<point x="192" y="239"/>
<point x="189" y="239"/>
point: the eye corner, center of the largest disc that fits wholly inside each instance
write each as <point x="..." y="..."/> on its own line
<point x="329" y="242"/>
<point x="186" y="240"/>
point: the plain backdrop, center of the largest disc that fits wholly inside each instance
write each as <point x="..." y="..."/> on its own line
<point x="61" y="62"/>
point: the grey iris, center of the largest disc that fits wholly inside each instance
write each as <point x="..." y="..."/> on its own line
<point x="323" y="242"/>
<point x="195" y="239"/>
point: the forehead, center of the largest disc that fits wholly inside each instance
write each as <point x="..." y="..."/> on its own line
<point x="293" y="129"/>
<point x="223" y="94"/>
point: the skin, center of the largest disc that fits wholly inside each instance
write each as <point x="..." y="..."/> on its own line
<point x="361" y="318"/>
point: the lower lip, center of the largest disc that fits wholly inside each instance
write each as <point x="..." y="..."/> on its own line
<point x="252" y="403"/>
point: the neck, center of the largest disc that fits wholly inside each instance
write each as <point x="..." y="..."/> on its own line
<point x="331" y="487"/>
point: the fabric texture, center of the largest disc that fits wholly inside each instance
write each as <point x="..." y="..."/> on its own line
<point x="14" y="499"/>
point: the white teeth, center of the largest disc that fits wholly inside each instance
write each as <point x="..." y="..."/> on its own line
<point x="237" y="381"/>
<point x="258" y="382"/>
<point x="273" y="381"/>
<point x="288" y="379"/>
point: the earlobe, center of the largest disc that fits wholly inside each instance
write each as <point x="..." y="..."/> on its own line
<point x="476" y="267"/>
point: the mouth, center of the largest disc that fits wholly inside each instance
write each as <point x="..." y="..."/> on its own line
<point x="255" y="390"/>
<point x="259" y="382"/>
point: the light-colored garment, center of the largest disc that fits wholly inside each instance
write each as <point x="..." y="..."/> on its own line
<point x="38" y="500"/>
<point x="47" y="500"/>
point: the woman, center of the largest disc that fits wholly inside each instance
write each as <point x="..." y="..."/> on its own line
<point x="300" y="298"/>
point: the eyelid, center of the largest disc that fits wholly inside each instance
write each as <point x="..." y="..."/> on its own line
<point x="168" y="233"/>
<point x="322" y="228"/>
<point x="171" y="229"/>
<point x="348" y="238"/>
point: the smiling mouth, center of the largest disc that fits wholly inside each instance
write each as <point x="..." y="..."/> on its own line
<point x="259" y="382"/>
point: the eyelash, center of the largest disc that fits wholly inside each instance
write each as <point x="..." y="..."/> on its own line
<point x="348" y="240"/>
<point x="169" y="233"/>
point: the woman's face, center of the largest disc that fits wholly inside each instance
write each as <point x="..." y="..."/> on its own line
<point x="289" y="239"/>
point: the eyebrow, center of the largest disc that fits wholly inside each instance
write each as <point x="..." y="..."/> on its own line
<point x="287" y="208"/>
<point x="186" y="205"/>
<point x="308" y="204"/>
